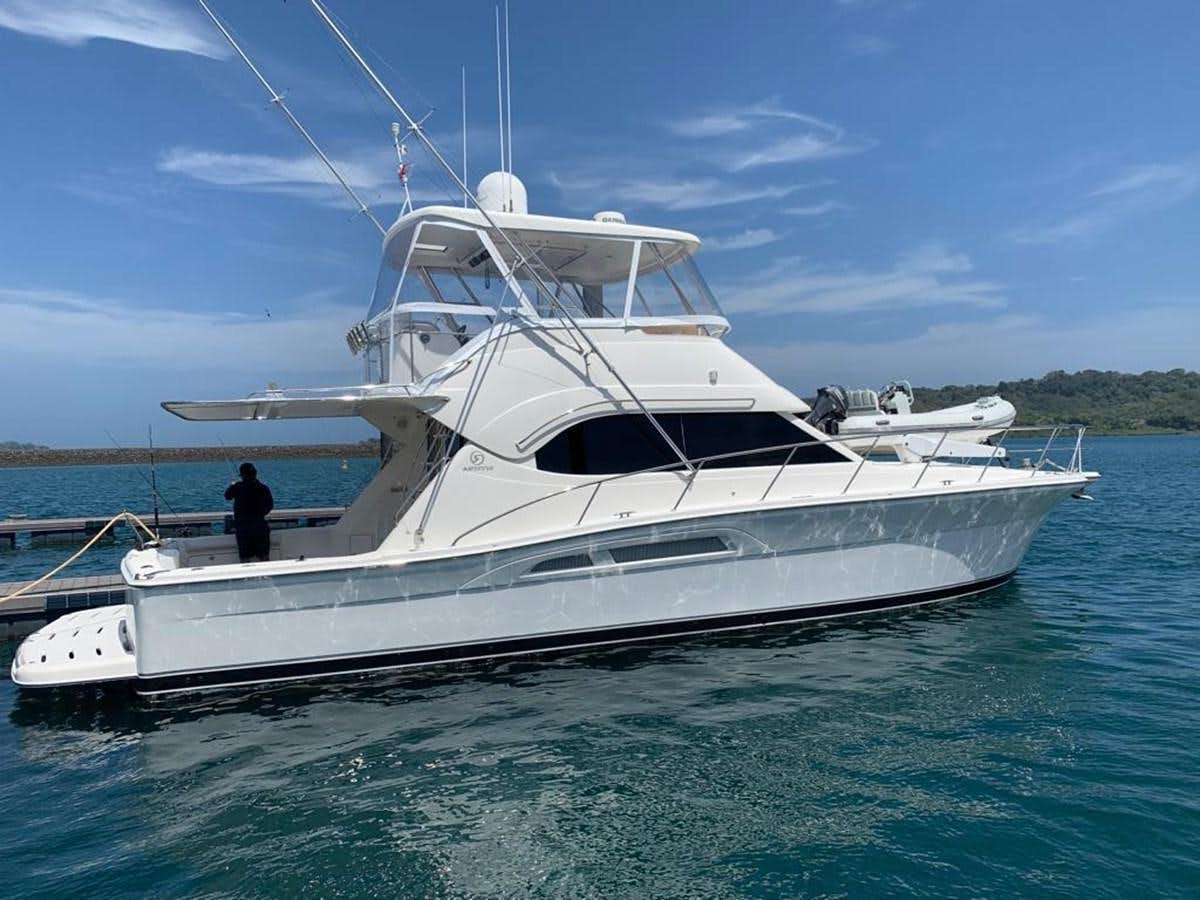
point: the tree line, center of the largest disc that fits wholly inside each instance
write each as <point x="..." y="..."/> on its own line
<point x="1104" y="401"/>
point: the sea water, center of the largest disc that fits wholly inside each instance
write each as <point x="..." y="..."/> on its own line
<point x="1043" y="740"/>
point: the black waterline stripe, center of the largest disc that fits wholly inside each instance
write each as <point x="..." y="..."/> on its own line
<point x="548" y="642"/>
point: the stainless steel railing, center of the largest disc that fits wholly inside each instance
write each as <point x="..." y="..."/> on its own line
<point x="1074" y="464"/>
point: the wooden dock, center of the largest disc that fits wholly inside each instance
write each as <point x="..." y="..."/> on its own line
<point x="79" y="527"/>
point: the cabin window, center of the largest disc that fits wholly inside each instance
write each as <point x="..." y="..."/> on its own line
<point x="610" y="445"/>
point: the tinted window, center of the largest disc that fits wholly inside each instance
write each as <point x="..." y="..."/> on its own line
<point x="628" y="443"/>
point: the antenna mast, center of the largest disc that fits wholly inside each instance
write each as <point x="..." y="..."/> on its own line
<point x="466" y="200"/>
<point x="508" y="104"/>
<point x="500" y="93"/>
<point x="277" y="99"/>
<point x="402" y="168"/>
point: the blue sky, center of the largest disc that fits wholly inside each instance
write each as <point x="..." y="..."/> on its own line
<point x="947" y="192"/>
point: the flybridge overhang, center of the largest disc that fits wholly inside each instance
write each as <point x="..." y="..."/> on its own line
<point x="304" y="403"/>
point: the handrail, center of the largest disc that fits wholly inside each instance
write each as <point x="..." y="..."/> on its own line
<point x="862" y="462"/>
<point x="698" y="462"/>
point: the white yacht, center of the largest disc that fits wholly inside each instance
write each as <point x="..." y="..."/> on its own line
<point x="883" y="421"/>
<point x="577" y="457"/>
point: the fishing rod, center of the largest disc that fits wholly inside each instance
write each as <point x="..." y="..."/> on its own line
<point x="277" y="99"/>
<point x="225" y="454"/>
<point x="142" y="474"/>
<point x="153" y="475"/>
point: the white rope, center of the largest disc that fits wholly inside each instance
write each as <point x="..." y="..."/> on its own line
<point x="123" y="516"/>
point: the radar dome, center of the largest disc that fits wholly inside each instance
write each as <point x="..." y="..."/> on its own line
<point x="501" y="192"/>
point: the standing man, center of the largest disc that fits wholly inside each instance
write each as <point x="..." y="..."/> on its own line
<point x="252" y="501"/>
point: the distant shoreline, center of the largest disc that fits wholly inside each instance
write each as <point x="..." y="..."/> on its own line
<point x="112" y="456"/>
<point x="140" y="456"/>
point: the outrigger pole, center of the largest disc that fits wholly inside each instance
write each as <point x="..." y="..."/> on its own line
<point x="277" y="99"/>
<point x="415" y="127"/>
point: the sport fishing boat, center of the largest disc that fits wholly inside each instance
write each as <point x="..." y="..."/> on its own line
<point x="575" y="457"/>
<point x="878" y="421"/>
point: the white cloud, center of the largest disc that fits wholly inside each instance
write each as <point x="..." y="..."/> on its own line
<point x="1176" y="179"/>
<point x="1077" y="227"/>
<point x="43" y="324"/>
<point x="372" y="175"/>
<point x="929" y="276"/>
<point x="767" y="133"/>
<point x="860" y="44"/>
<point x="743" y="118"/>
<point x="127" y="358"/>
<point x="675" y="194"/>
<point x="1005" y="347"/>
<point x="1132" y="192"/>
<point x="746" y="240"/>
<point x="817" y="209"/>
<point x="148" y="23"/>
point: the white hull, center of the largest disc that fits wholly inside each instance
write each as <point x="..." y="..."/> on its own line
<point x="774" y="564"/>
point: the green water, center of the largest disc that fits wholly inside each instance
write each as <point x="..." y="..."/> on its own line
<point x="1041" y="740"/>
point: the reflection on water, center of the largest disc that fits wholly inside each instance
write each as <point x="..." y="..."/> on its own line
<point x="1039" y="738"/>
<point x="505" y="777"/>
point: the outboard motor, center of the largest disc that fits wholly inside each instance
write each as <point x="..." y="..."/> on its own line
<point x="829" y="409"/>
<point x="896" y="398"/>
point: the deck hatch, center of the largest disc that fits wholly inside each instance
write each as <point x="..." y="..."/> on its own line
<point x="667" y="549"/>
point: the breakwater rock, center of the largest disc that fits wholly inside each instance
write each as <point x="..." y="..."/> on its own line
<point x="113" y="456"/>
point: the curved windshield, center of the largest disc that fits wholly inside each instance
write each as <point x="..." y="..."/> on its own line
<point x="580" y="275"/>
<point x="670" y="288"/>
<point x="387" y="282"/>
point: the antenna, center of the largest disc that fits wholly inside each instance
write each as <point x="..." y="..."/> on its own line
<point x="508" y="104"/>
<point x="466" y="200"/>
<point x="402" y="168"/>
<point x="500" y="91"/>
<point x="277" y="99"/>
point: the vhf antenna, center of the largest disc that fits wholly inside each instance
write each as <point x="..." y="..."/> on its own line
<point x="277" y="99"/>
<point x="402" y="166"/>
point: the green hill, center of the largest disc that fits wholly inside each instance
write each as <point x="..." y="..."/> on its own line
<point x="1104" y="401"/>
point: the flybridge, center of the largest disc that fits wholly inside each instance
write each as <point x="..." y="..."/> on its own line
<point x="449" y="274"/>
<point x="547" y="267"/>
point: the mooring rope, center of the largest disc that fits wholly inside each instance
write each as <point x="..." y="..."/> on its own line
<point x="123" y="516"/>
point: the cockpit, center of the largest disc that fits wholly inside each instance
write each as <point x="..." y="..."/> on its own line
<point x="447" y="276"/>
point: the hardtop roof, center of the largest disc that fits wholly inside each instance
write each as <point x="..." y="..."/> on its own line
<point x="395" y="242"/>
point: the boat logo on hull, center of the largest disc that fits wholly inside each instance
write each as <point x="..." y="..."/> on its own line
<point x="477" y="463"/>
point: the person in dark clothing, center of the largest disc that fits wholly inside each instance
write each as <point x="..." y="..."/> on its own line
<point x="252" y="501"/>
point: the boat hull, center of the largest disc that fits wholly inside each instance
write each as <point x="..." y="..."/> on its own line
<point x="750" y="568"/>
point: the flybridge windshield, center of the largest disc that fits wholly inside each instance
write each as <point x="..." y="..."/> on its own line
<point x="587" y="276"/>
